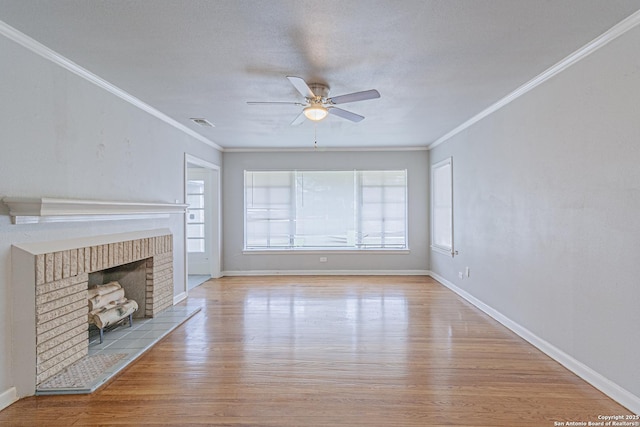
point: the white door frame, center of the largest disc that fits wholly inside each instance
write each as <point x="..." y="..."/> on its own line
<point x="216" y="235"/>
<point x="200" y="262"/>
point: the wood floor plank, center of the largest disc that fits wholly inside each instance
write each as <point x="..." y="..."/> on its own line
<point x="331" y="351"/>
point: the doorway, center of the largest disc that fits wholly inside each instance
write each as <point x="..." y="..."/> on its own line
<point x="202" y="221"/>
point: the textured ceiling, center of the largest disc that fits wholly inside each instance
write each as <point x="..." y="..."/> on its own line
<point x="436" y="63"/>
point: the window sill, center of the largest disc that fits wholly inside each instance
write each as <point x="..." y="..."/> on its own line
<point x="314" y="251"/>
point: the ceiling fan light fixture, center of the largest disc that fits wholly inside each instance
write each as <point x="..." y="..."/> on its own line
<point x="315" y="112"/>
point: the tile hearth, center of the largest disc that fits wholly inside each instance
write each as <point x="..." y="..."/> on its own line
<point x="122" y="345"/>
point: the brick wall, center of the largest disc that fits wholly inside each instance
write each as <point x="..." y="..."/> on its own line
<point x="61" y="295"/>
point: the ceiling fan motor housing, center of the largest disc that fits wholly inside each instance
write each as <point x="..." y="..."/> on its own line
<point x="319" y="90"/>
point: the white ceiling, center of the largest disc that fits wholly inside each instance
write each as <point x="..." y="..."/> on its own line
<point x="436" y="63"/>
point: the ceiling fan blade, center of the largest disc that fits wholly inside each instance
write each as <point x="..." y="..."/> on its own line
<point x="298" y="120"/>
<point x="345" y="114"/>
<point x="353" y="97"/>
<point x="274" y="102"/>
<point x="301" y="86"/>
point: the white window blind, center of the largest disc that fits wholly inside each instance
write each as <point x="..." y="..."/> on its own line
<point x="442" y="206"/>
<point x="325" y="209"/>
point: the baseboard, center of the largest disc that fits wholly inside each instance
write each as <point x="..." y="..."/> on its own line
<point x="179" y="298"/>
<point x="605" y="385"/>
<point x="327" y="273"/>
<point x="8" y="397"/>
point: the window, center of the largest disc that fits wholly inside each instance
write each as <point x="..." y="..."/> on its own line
<point x="442" y="207"/>
<point x="195" y="219"/>
<point x="325" y="210"/>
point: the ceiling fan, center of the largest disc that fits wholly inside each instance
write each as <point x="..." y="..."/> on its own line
<point x="317" y="105"/>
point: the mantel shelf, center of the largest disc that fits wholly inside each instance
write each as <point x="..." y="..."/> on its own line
<point x="25" y="210"/>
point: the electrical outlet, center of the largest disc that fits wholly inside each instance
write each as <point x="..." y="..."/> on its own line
<point x="323" y="259"/>
<point x="460" y="275"/>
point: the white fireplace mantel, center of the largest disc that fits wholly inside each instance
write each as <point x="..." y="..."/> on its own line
<point x="25" y="210"/>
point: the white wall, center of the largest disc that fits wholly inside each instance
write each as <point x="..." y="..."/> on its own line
<point x="547" y="205"/>
<point x="61" y="136"/>
<point x="233" y="204"/>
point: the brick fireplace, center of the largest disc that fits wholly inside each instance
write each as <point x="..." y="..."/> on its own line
<point x="50" y="282"/>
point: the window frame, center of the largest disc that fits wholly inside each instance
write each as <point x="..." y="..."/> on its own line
<point x="445" y="250"/>
<point x="323" y="250"/>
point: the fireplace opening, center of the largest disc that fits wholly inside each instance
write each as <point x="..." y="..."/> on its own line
<point x="133" y="279"/>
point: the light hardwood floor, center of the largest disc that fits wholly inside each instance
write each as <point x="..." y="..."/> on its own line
<point x="331" y="351"/>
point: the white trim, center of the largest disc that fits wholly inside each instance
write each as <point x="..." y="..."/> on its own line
<point x="326" y="273"/>
<point x="445" y="250"/>
<point x="8" y="397"/>
<point x="38" y="248"/>
<point x="439" y="250"/>
<point x="49" y="54"/>
<point x="321" y="150"/>
<point x="586" y="50"/>
<point x="25" y="210"/>
<point x="179" y="298"/>
<point x="26" y="219"/>
<point x="605" y="385"/>
<point x="200" y="162"/>
<point x="316" y="251"/>
<point x="189" y="159"/>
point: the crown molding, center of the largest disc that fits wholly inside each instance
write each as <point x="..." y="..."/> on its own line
<point x="600" y="41"/>
<point x="49" y="54"/>
<point x="321" y="150"/>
